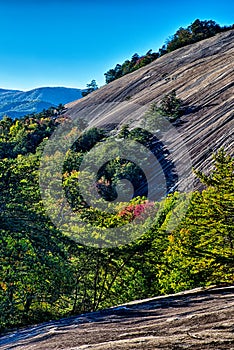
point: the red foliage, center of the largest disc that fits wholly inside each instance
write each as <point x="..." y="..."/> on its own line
<point x="134" y="211"/>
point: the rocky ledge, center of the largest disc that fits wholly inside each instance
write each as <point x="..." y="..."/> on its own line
<point x="197" y="319"/>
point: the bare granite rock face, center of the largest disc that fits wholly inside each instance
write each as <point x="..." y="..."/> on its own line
<point x="202" y="75"/>
<point x="199" y="319"/>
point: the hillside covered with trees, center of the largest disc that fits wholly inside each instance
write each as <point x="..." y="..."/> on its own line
<point x="17" y="104"/>
<point x="183" y="241"/>
<point x="45" y="274"/>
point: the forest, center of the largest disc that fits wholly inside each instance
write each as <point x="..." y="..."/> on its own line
<point x="45" y="274"/>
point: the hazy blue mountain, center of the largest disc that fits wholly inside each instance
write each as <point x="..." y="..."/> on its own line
<point x="15" y="103"/>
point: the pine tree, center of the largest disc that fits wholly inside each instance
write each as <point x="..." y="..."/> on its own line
<point x="201" y="250"/>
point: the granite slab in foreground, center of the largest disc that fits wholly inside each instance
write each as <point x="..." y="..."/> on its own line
<point x="196" y="319"/>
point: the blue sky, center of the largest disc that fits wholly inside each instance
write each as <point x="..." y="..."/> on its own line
<point x="69" y="43"/>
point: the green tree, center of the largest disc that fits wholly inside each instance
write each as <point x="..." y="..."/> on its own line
<point x="201" y="251"/>
<point x="90" y="88"/>
<point x="35" y="270"/>
<point x="171" y="106"/>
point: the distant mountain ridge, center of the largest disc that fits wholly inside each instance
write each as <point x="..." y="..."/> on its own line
<point x="16" y="103"/>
